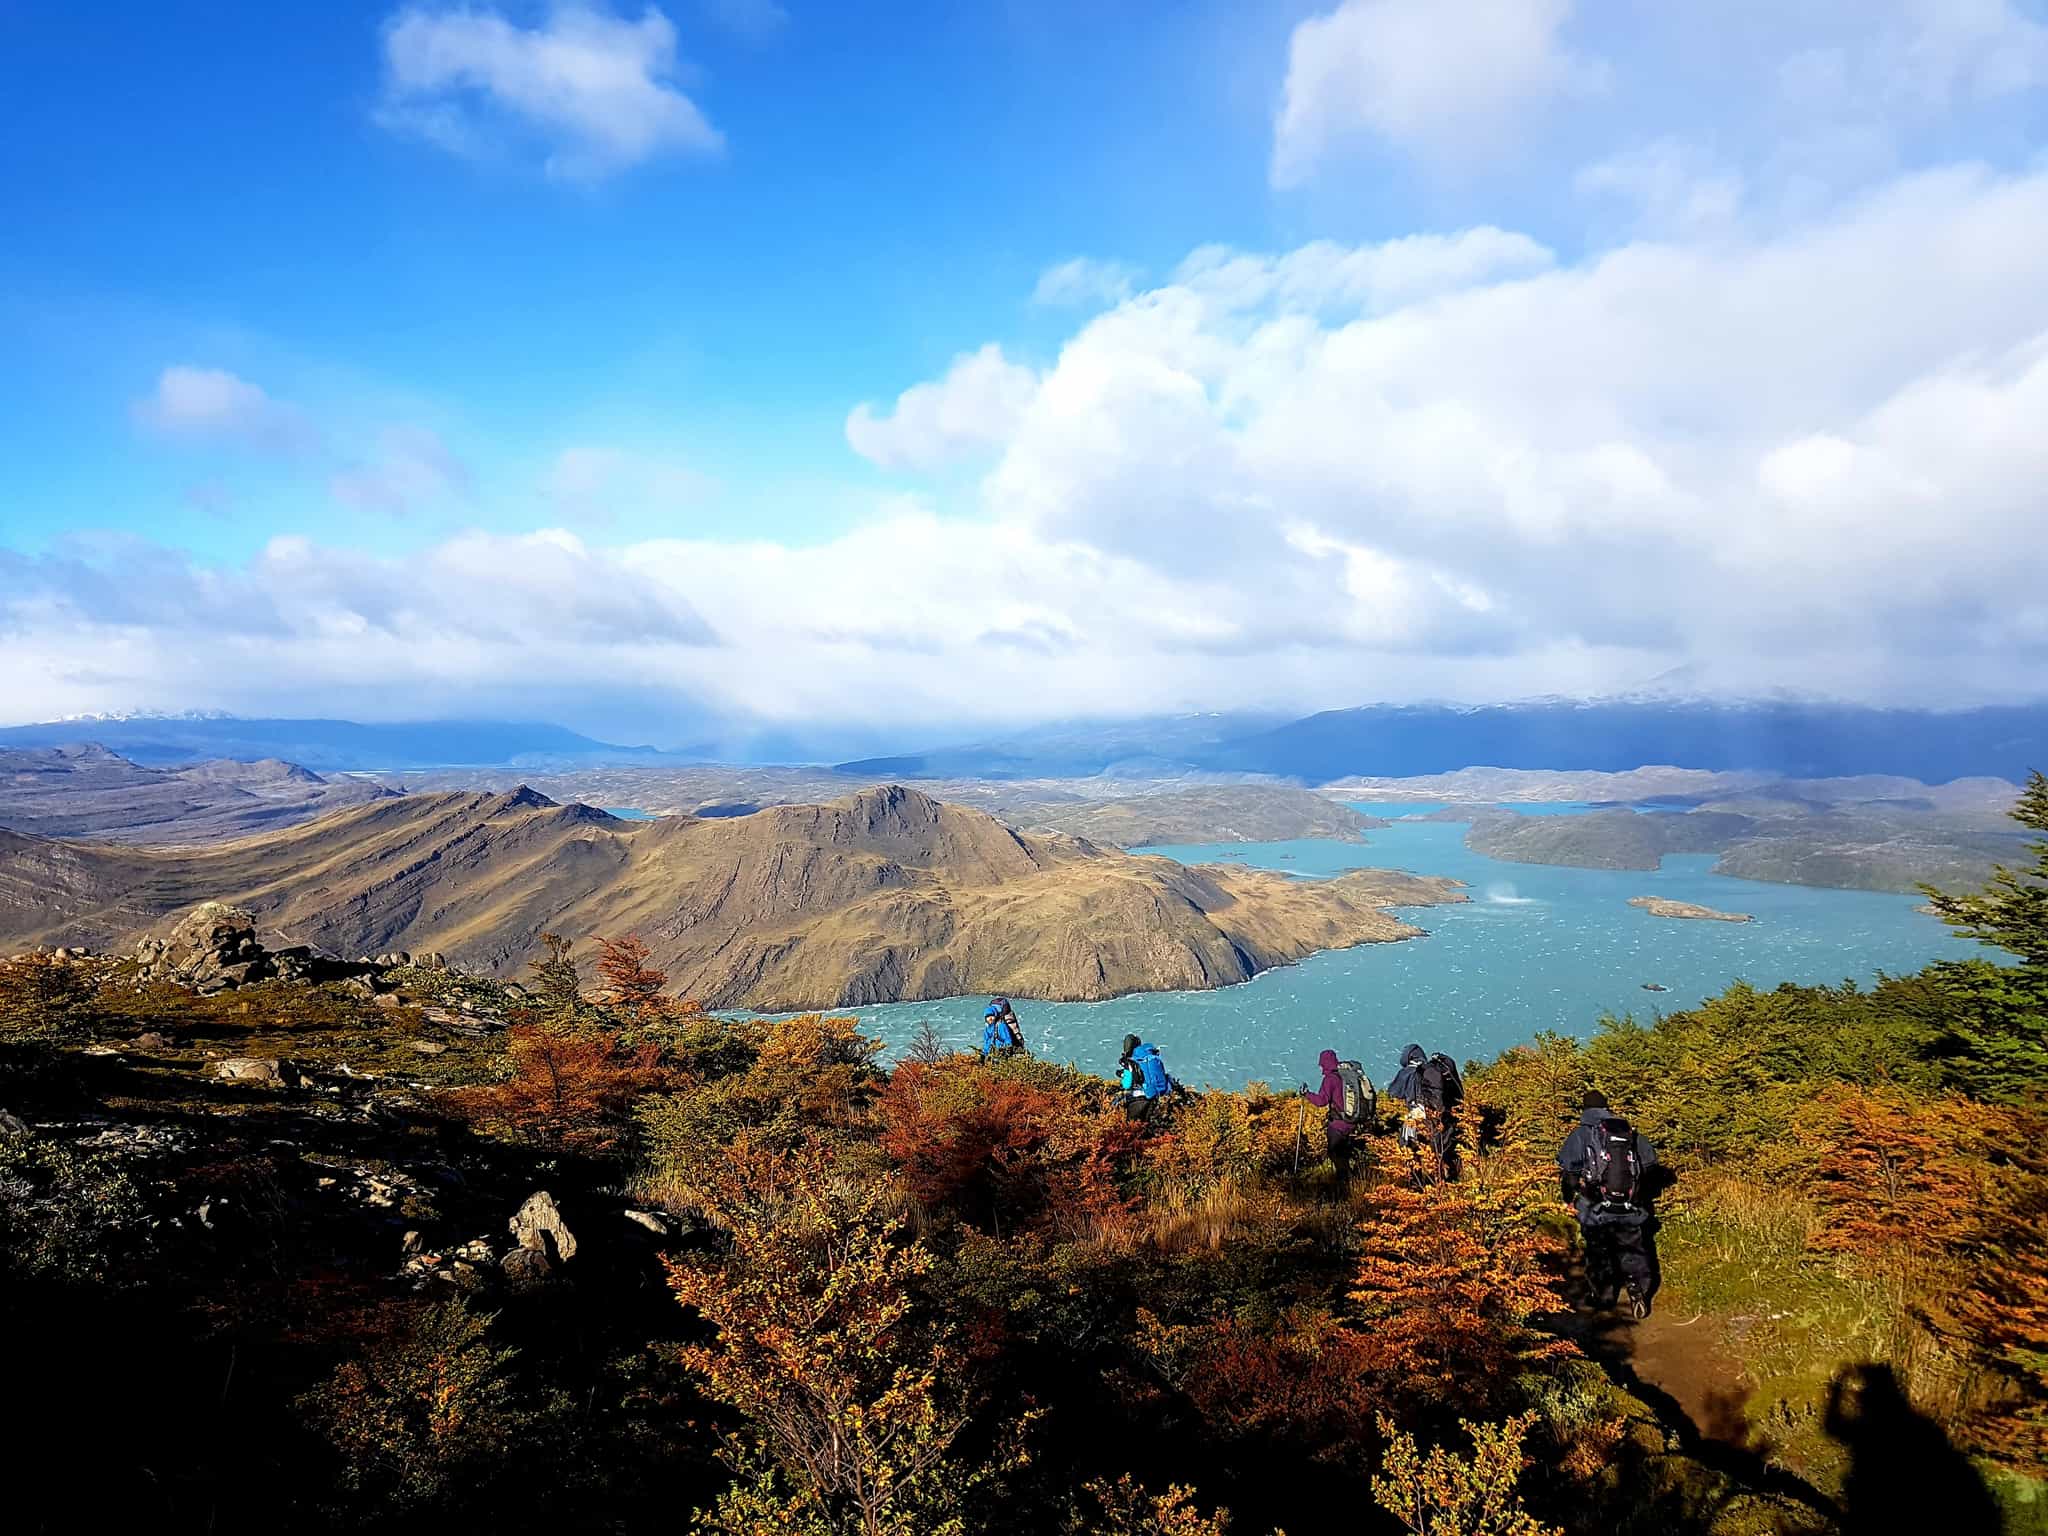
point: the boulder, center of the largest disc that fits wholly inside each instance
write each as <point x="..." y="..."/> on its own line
<point x="538" y="1227"/>
<point x="259" y="1069"/>
<point x="524" y="1268"/>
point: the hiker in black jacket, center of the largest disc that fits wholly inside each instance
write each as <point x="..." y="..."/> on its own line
<point x="1603" y="1169"/>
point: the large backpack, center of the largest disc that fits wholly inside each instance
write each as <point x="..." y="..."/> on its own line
<point x="1358" y="1102"/>
<point x="1151" y="1072"/>
<point x="1442" y="1090"/>
<point x="1614" y="1172"/>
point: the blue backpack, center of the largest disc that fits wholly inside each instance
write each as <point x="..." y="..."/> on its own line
<point x="1152" y="1071"/>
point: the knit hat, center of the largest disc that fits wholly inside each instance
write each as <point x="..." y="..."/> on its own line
<point x="1595" y="1099"/>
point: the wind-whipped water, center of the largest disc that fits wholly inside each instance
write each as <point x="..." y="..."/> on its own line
<point x="1536" y="948"/>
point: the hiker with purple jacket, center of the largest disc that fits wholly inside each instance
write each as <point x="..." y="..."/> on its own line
<point x="1346" y="1097"/>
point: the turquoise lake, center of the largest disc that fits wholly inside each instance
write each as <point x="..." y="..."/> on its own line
<point x="1536" y="948"/>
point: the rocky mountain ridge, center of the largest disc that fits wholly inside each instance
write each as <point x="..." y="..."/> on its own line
<point x="881" y="896"/>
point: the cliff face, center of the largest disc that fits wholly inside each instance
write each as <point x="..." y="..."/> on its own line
<point x="882" y="896"/>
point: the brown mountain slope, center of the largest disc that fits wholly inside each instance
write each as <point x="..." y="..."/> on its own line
<point x="880" y="896"/>
<point x="87" y="791"/>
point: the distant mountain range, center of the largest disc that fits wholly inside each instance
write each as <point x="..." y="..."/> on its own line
<point x="1781" y="738"/>
<point x="90" y="792"/>
<point x="327" y="745"/>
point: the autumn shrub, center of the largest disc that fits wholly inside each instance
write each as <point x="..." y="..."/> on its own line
<point x="66" y="1213"/>
<point x="1439" y="1493"/>
<point x="43" y="999"/>
<point x="782" y="1083"/>
<point x="1125" y="1507"/>
<point x="1013" y="1144"/>
<point x="567" y="1090"/>
<point x="427" y="1413"/>
<point x="1448" y="1285"/>
<point x="846" y="1404"/>
<point x="1306" y="1380"/>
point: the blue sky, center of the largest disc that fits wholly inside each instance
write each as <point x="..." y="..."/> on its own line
<point x="956" y="363"/>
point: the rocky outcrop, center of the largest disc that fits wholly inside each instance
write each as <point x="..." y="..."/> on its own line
<point x="214" y="948"/>
<point x="210" y="949"/>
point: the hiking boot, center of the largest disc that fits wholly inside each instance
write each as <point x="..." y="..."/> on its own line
<point x="1638" y="1304"/>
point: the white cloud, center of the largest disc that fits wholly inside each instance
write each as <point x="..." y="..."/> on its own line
<point x="973" y="407"/>
<point x="1084" y="281"/>
<point x="1441" y="76"/>
<point x="599" y="90"/>
<point x="591" y="485"/>
<point x="211" y="403"/>
<point x="1782" y="454"/>
<point x="412" y="468"/>
<point x="1667" y="187"/>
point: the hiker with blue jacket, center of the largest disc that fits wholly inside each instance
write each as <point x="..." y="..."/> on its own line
<point x="1143" y="1077"/>
<point x="1603" y="1170"/>
<point x="999" y="1033"/>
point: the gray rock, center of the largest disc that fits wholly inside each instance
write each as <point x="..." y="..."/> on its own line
<point x="538" y="1226"/>
<point x="656" y="1224"/>
<point x="12" y="1124"/>
<point x="525" y="1267"/>
<point x="258" y="1069"/>
<point x="410" y="1243"/>
<point x="429" y="1047"/>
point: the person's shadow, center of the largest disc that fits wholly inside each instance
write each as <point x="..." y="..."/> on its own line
<point x="1903" y="1473"/>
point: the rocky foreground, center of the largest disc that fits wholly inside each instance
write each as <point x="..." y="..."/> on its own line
<point x="882" y="896"/>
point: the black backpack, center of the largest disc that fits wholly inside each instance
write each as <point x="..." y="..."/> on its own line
<point x="1359" y="1102"/>
<point x="1441" y="1088"/>
<point x="1614" y="1172"/>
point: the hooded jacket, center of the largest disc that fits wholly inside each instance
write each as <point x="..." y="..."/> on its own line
<point x="1574" y="1160"/>
<point x="1331" y="1095"/>
<point x="1407" y="1083"/>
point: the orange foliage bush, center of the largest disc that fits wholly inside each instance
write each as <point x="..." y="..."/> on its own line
<point x="1000" y="1146"/>
<point x="1309" y="1381"/>
<point x="1447" y="1283"/>
<point x="568" y="1091"/>
<point x="1898" y="1173"/>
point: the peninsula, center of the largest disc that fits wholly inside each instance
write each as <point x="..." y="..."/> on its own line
<point x="883" y="896"/>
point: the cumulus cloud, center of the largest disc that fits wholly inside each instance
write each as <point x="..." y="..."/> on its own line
<point x="973" y="407"/>
<point x="412" y="468"/>
<point x="1779" y="454"/>
<point x="1666" y="187"/>
<point x="1084" y="281"/>
<point x="598" y="90"/>
<point x="1441" y="76"/>
<point x="213" y="404"/>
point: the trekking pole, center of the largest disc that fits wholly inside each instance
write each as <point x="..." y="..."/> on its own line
<point x="1300" y="1122"/>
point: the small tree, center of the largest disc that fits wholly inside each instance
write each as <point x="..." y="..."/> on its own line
<point x="568" y="1091"/>
<point x="1441" y="1494"/>
<point x="556" y="985"/>
<point x="2004" y="1029"/>
<point x="623" y="965"/>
